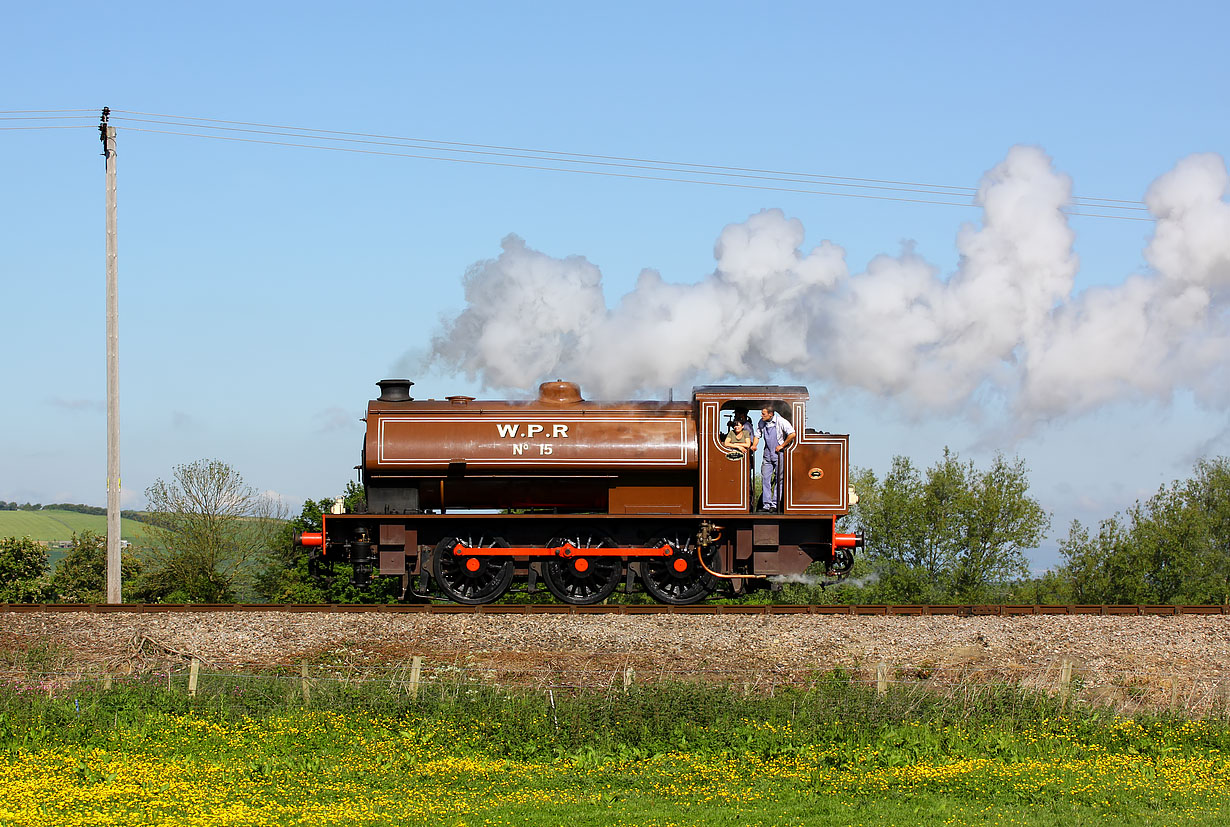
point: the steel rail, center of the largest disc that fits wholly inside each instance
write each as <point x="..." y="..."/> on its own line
<point x="945" y="610"/>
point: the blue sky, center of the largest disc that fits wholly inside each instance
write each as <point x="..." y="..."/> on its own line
<point x="265" y="289"/>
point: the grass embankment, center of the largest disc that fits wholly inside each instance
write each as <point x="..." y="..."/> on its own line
<point x="249" y="752"/>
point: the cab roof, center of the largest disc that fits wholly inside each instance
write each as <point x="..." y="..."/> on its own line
<point x="752" y="391"/>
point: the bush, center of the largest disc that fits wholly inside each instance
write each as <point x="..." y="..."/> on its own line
<point x="81" y="576"/>
<point x="23" y="571"/>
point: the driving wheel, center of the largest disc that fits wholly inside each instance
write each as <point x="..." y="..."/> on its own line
<point x="679" y="579"/>
<point x="471" y="579"/>
<point x="580" y="579"/>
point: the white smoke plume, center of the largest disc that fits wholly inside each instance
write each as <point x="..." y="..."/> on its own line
<point x="825" y="581"/>
<point x="1005" y="323"/>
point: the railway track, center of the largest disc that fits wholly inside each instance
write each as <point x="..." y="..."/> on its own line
<point x="950" y="610"/>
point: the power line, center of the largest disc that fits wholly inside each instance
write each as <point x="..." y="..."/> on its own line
<point x="752" y="172"/>
<point x="551" y="169"/>
<point x="49" y="118"/>
<point x="542" y="151"/>
<point x="407" y="144"/>
<point x="67" y="126"/>
<point x="603" y="173"/>
<point x="561" y="161"/>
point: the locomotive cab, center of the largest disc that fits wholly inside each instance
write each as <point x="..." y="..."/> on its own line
<point x="815" y="463"/>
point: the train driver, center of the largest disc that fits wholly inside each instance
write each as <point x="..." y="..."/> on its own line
<point x="777" y="433"/>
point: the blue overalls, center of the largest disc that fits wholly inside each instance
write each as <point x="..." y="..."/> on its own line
<point x="771" y="465"/>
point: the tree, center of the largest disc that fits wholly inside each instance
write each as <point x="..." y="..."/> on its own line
<point x="286" y="579"/>
<point x="210" y="530"/>
<point x="81" y="577"/>
<point x="958" y="533"/>
<point x="997" y="522"/>
<point x="901" y="544"/>
<point x="1173" y="548"/>
<point x="23" y="571"/>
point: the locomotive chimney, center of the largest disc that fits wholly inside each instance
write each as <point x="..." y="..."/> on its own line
<point x="395" y="390"/>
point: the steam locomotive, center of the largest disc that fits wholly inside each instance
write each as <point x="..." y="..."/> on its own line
<point x="465" y="496"/>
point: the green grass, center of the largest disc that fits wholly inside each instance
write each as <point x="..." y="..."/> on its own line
<point x="51" y="526"/>
<point x="248" y="751"/>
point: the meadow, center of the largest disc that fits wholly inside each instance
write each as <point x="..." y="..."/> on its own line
<point x="52" y="525"/>
<point x="248" y="750"/>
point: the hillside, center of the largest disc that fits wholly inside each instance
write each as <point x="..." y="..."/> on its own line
<point x="50" y="526"/>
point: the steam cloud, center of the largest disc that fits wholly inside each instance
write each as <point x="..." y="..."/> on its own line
<point x="1005" y="324"/>
<point x="824" y="582"/>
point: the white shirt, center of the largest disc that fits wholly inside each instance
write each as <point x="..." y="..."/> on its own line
<point x="774" y="431"/>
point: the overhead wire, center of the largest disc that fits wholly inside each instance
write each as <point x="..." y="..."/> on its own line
<point x="564" y="156"/>
<point x="548" y="160"/>
<point x="548" y="151"/>
<point x="549" y="169"/>
<point x="32" y="115"/>
<point x="602" y="173"/>
<point x="48" y="126"/>
<point x="47" y="117"/>
<point x="647" y="166"/>
<point x="1135" y="204"/>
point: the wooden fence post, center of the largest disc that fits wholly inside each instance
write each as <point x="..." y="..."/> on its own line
<point x="1065" y="682"/>
<point x="881" y="678"/>
<point x="416" y="674"/>
<point x="303" y="684"/>
<point x="629" y="676"/>
<point x="193" y="671"/>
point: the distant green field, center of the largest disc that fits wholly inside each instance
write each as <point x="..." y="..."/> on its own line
<point x="60" y="525"/>
<point x="50" y="526"/>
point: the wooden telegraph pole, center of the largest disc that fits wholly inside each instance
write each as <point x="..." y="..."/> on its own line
<point x="113" y="371"/>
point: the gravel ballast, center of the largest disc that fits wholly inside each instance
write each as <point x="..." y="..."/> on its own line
<point x="1148" y="651"/>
